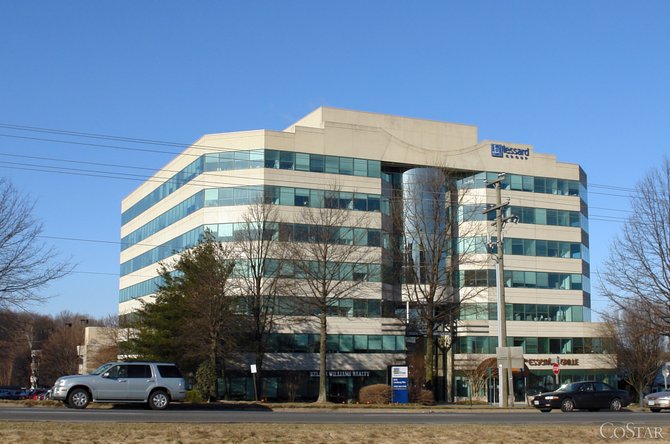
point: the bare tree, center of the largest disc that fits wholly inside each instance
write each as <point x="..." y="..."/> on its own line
<point x="21" y="333"/>
<point x="476" y="372"/>
<point x="633" y="345"/>
<point x="26" y="264"/>
<point x="330" y="263"/>
<point x="257" y="247"/>
<point x="59" y="351"/>
<point x="639" y="262"/>
<point x="431" y="215"/>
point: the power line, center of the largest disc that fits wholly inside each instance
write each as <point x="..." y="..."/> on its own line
<point x="173" y="144"/>
<point x="199" y="182"/>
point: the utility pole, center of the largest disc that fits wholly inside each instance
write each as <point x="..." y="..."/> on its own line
<point x="504" y="372"/>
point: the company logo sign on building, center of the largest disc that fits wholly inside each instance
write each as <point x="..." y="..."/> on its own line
<point x="500" y="150"/>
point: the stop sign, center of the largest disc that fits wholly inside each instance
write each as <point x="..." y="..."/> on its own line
<point x="556" y="369"/>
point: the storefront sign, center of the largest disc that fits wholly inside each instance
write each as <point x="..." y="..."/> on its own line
<point x="550" y="362"/>
<point x="500" y="150"/>
<point x="342" y="373"/>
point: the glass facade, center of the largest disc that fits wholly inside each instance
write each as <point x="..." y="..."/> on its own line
<point x="526" y="312"/>
<point x="531" y="184"/>
<point x="525" y="279"/>
<point x="526" y="215"/>
<point x="140" y="289"/>
<point x="345" y="307"/>
<point x="242" y="160"/>
<point x="525" y="247"/>
<point x="345" y="271"/>
<point x="530" y="345"/>
<point x="228" y="232"/>
<point x="221" y="197"/>
<point x="309" y="343"/>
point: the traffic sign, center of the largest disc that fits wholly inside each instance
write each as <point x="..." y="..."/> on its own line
<point x="556" y="369"/>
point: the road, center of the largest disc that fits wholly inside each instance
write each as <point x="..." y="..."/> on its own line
<point x="176" y="415"/>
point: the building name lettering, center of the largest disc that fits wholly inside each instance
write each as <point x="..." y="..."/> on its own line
<point x="549" y="361"/>
<point x="341" y="373"/>
<point x="499" y="150"/>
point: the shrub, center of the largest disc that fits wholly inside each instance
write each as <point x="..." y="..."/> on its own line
<point x="421" y="396"/>
<point x="375" y="394"/>
<point x="205" y="381"/>
<point x="193" y="396"/>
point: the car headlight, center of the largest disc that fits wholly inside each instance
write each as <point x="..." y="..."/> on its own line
<point x="551" y="397"/>
<point x="60" y="383"/>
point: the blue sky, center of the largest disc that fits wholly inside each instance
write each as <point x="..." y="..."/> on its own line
<point x="585" y="80"/>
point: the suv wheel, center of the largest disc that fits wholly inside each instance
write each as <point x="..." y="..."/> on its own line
<point x="159" y="400"/>
<point x="78" y="398"/>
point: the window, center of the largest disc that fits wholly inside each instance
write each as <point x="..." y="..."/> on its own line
<point x="226" y="161"/>
<point x="286" y="160"/>
<point x="271" y="159"/>
<point x="211" y="162"/>
<point x="375" y="343"/>
<point x="256" y="159"/>
<point x="388" y="343"/>
<point x="346" y="201"/>
<point x="346" y="307"/>
<point x="360" y="307"/>
<point x="241" y="160"/>
<point x="301" y="232"/>
<point x="139" y="371"/>
<point x="373" y="203"/>
<point x="316" y="198"/>
<point x="347" y="166"/>
<point x="332" y="164"/>
<point x="374" y="168"/>
<point x="600" y="387"/>
<point x="346" y="343"/>
<point x="360" y="167"/>
<point x="302" y="162"/>
<point x="317" y="163"/>
<point x="360" y="202"/>
<point x="301" y="197"/>
<point x="118" y="371"/>
<point x="332" y="343"/>
<point x="375" y="309"/>
<point x="360" y="343"/>
<point x="566" y="345"/>
<point x="301" y="343"/>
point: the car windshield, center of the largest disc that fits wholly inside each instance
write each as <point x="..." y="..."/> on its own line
<point x="100" y="370"/>
<point x="568" y="387"/>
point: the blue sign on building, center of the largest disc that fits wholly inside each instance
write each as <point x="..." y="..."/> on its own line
<point x="500" y="150"/>
<point x="400" y="384"/>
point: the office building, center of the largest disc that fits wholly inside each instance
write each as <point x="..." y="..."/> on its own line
<point x="365" y="162"/>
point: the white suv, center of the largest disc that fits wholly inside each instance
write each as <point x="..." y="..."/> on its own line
<point x="155" y="383"/>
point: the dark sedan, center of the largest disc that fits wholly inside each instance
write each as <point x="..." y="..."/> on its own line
<point x="582" y="395"/>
